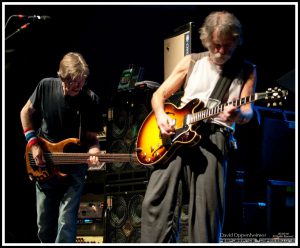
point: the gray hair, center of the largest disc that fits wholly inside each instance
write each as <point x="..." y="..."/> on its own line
<point x="223" y="22"/>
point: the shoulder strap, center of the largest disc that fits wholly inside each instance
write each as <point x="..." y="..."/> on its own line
<point x="231" y="69"/>
<point x="222" y="85"/>
<point x="221" y="88"/>
<point x="195" y="58"/>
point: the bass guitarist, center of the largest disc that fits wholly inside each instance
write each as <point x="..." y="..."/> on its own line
<point x="63" y="108"/>
<point x="202" y="167"/>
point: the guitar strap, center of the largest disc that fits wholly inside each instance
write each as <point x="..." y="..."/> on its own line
<point x="221" y="88"/>
<point x="229" y="72"/>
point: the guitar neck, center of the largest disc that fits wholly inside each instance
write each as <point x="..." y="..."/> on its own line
<point x="207" y="113"/>
<point x="75" y="158"/>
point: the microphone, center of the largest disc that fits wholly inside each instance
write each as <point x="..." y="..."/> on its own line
<point x="33" y="17"/>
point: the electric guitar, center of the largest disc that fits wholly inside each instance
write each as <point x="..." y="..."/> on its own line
<point x="55" y="154"/>
<point x="152" y="148"/>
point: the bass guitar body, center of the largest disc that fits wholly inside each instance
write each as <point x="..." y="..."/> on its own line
<point x="50" y="169"/>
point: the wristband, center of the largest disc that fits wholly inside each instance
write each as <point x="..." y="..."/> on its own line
<point x="30" y="137"/>
<point x="32" y="141"/>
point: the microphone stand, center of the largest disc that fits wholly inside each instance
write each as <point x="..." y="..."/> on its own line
<point x="18" y="30"/>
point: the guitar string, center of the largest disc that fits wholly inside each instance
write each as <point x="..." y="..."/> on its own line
<point x="65" y="158"/>
<point x="201" y="115"/>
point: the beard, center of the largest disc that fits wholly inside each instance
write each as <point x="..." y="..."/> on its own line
<point x="219" y="59"/>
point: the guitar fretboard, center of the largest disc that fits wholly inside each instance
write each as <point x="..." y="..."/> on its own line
<point x="74" y="158"/>
<point x="207" y="113"/>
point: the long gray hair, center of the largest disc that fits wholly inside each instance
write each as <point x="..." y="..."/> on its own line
<point x="224" y="23"/>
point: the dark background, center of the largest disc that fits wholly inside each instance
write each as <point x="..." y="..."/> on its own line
<point x="110" y="38"/>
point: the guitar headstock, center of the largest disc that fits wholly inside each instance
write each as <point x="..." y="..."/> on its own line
<point x="274" y="96"/>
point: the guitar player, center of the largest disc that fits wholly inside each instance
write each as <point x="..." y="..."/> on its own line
<point x="201" y="168"/>
<point x="64" y="108"/>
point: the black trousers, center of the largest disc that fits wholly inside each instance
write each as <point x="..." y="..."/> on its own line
<point x="202" y="171"/>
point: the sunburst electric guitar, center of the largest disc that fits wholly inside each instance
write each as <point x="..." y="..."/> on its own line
<point x="152" y="148"/>
<point x="57" y="154"/>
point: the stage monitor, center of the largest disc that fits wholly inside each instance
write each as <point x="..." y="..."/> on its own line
<point x="176" y="46"/>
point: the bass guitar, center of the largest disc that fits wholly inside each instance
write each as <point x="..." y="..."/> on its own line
<point x="152" y="148"/>
<point x="55" y="154"/>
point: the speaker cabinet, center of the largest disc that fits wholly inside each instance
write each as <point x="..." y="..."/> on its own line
<point x="125" y="192"/>
<point x="126" y="182"/>
<point x="123" y="224"/>
<point x="129" y="110"/>
<point x="176" y="46"/>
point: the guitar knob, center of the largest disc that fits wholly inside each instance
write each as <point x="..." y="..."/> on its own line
<point x="268" y="105"/>
<point x="274" y="104"/>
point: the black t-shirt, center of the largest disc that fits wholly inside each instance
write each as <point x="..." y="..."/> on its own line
<point x="62" y="116"/>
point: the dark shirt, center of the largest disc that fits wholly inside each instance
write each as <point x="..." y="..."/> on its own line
<point x="63" y="116"/>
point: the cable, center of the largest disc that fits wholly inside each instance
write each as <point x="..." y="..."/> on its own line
<point x="18" y="30"/>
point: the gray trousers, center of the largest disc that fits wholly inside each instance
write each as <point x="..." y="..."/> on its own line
<point x="202" y="171"/>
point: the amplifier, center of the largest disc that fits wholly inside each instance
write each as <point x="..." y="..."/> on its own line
<point x="89" y="239"/>
<point x="91" y="209"/>
<point x="90" y="227"/>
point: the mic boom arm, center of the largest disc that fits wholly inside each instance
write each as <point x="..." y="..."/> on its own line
<point x="18" y="30"/>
